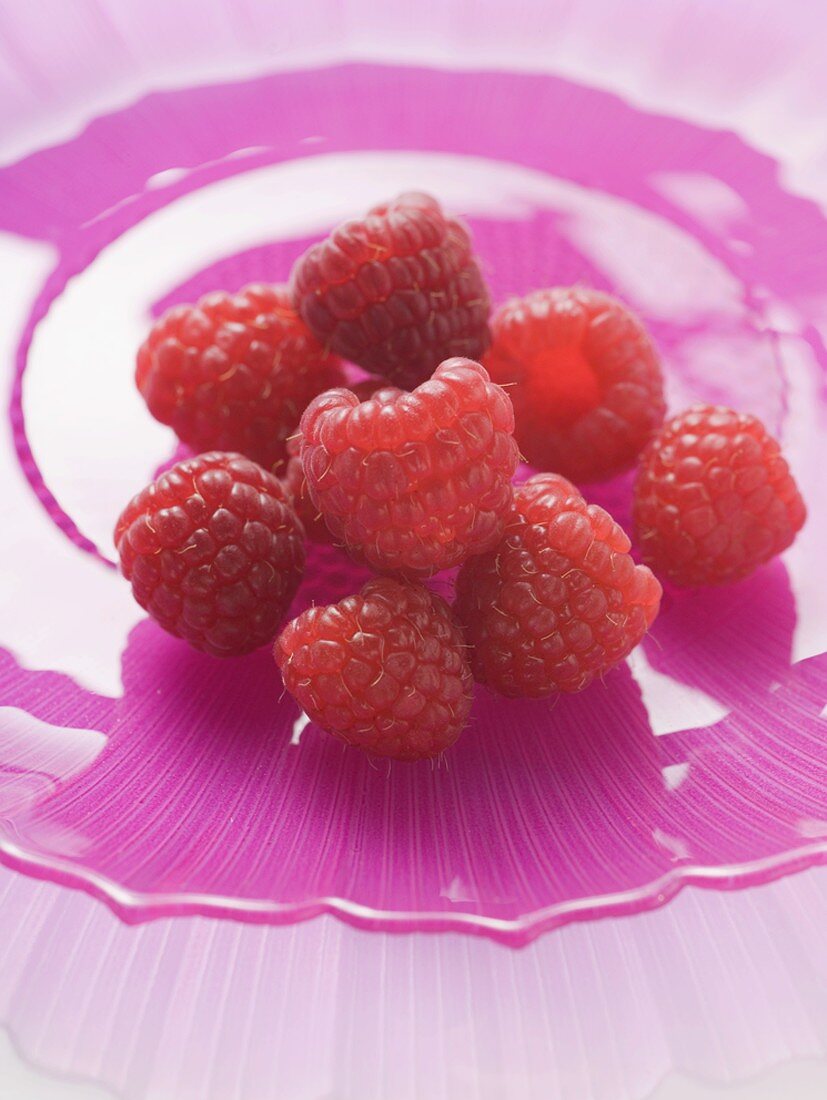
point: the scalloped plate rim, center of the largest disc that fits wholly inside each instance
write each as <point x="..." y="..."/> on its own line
<point x="137" y="907"/>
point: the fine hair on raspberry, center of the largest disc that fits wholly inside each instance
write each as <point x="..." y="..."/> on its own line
<point x="384" y="670"/>
<point x="214" y="552"/>
<point x="714" y="498"/>
<point x="397" y="291"/>
<point x="585" y="379"/>
<point x="234" y="372"/>
<point x="559" y="600"/>
<point x="413" y="482"/>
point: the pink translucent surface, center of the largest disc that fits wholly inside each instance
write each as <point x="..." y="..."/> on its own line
<point x="166" y="782"/>
<point x="720" y="986"/>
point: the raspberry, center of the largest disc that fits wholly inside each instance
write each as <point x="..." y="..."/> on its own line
<point x="315" y="527"/>
<point x="397" y="292"/>
<point x="384" y="670"/>
<point x="214" y="552"/>
<point x="559" y="600"/>
<point x="234" y="372"/>
<point x="714" y="498"/>
<point x="413" y="482"/>
<point x="587" y="385"/>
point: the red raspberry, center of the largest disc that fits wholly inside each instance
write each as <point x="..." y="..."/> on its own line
<point x="714" y="498"/>
<point x="397" y="292"/>
<point x="413" y="482"/>
<point x="294" y="480"/>
<point x="214" y="552"/>
<point x="560" y="600"/>
<point x="234" y="372"/>
<point x="384" y="670"/>
<point x="587" y="385"/>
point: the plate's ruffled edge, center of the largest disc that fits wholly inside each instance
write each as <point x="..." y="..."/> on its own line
<point x="136" y="907"/>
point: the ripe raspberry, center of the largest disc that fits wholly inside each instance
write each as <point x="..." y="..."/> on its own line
<point x="586" y="381"/>
<point x="397" y="292"/>
<point x="559" y="600"/>
<point x="413" y="482"/>
<point x="234" y="372"/>
<point x="714" y="498"/>
<point x="384" y="670"/>
<point x="214" y="552"/>
<point x="314" y="525"/>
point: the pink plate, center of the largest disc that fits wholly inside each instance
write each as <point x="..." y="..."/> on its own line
<point x="166" y="782"/>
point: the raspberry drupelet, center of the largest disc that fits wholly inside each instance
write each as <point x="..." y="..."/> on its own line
<point x="214" y="552"/>
<point x="295" y="483"/>
<point x="396" y="292"/>
<point x="294" y="480"/>
<point x="714" y="498"/>
<point x="584" y="378"/>
<point x="234" y="372"/>
<point x="413" y="482"/>
<point x="559" y="600"/>
<point x="384" y="670"/>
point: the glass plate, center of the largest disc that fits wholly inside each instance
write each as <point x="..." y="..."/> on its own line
<point x="166" y="782"/>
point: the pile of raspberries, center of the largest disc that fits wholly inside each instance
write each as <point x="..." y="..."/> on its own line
<point x="410" y="470"/>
